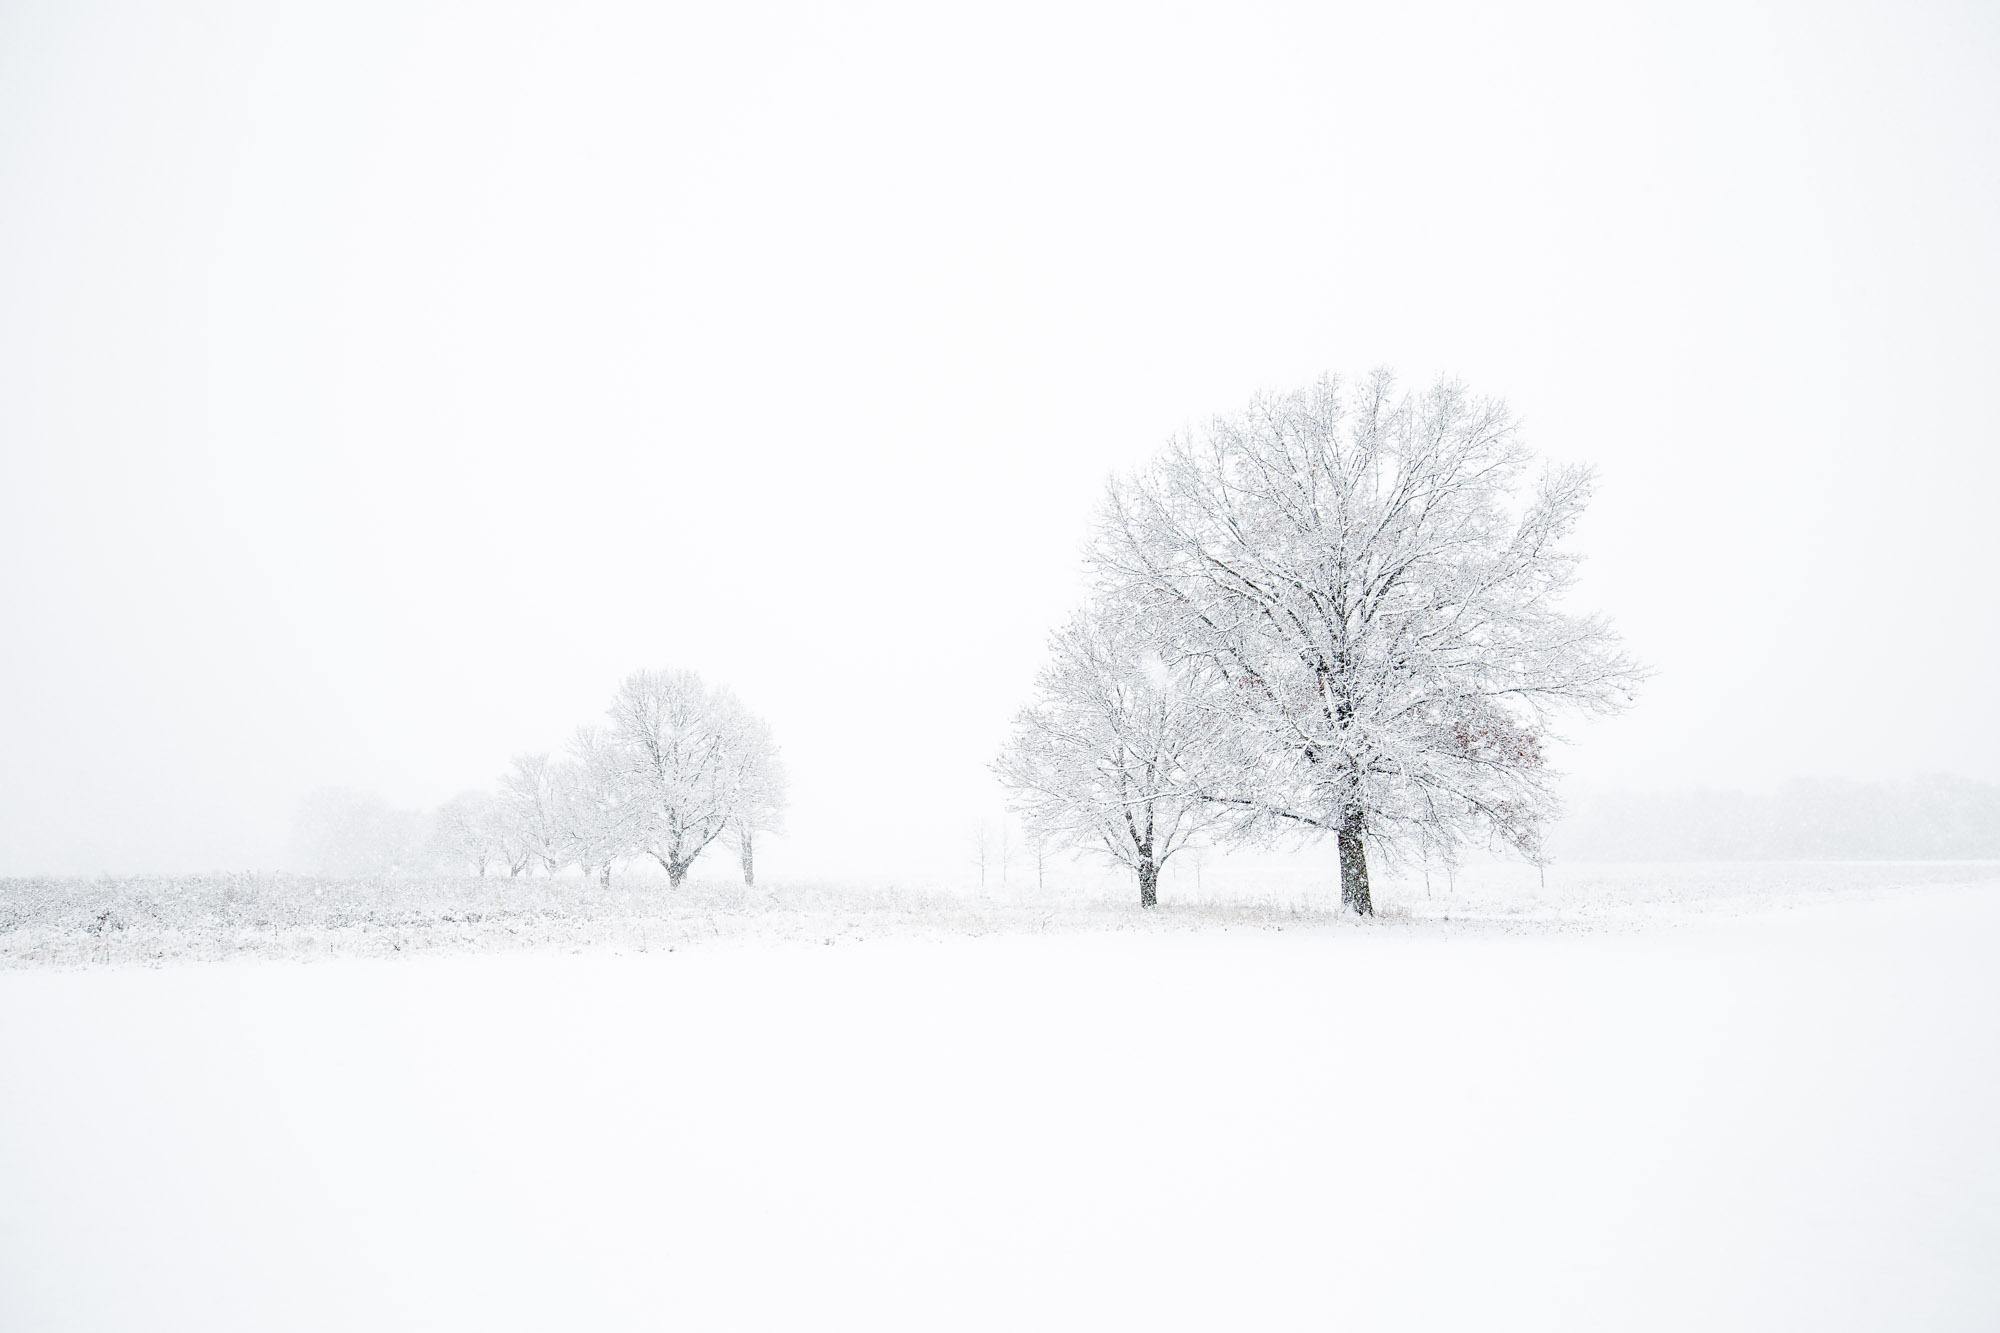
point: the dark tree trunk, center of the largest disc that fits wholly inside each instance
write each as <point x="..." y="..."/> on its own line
<point x="1149" y="883"/>
<point x="1354" y="864"/>
<point x="677" y="869"/>
<point x="749" y="874"/>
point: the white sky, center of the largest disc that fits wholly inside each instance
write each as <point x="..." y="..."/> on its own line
<point x="380" y="383"/>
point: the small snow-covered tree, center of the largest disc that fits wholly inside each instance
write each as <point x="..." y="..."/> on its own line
<point x="532" y="808"/>
<point x="350" y="833"/>
<point x="467" y="831"/>
<point x="600" y="805"/>
<point x="1379" y="587"/>
<point x="1038" y="852"/>
<point x="756" y="778"/>
<point x="1121" y="749"/>
<point x="982" y="847"/>
<point x="516" y="853"/>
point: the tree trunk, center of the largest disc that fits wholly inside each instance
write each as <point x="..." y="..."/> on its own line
<point x="749" y="874"/>
<point x="1149" y="883"/>
<point x="604" y="875"/>
<point x="676" y="872"/>
<point x="1354" y="864"/>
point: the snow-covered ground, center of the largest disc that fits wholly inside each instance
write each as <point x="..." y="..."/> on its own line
<point x="154" y="919"/>
<point x="1670" y="1100"/>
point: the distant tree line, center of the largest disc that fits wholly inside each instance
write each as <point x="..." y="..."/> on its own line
<point x="1928" y="818"/>
<point x="677" y="767"/>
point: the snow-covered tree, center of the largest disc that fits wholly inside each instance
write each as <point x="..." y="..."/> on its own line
<point x="756" y="777"/>
<point x="679" y="766"/>
<point x="1038" y="853"/>
<point x="677" y="736"/>
<point x="1377" y="583"/>
<point x="466" y="831"/>
<point x="1122" y="748"/>
<point x="516" y="853"/>
<point x="600" y="806"/>
<point x="339" y="832"/>
<point x="533" y="804"/>
<point x="982" y="847"/>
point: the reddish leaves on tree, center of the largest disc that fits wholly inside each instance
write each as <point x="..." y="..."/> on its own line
<point x="1495" y="738"/>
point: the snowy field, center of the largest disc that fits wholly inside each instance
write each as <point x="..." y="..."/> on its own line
<point x="156" y="919"/>
<point x="1696" y="1097"/>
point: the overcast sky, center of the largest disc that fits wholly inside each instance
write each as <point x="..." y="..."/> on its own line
<point x="380" y="383"/>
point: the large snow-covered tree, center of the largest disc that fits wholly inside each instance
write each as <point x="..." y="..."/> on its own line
<point x="1377" y="580"/>
<point x="1121" y="748"/>
<point x="678" y="737"/>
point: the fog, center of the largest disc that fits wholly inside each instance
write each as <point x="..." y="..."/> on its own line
<point x="380" y="384"/>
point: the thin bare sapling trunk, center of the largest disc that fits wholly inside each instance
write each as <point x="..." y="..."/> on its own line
<point x="749" y="867"/>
